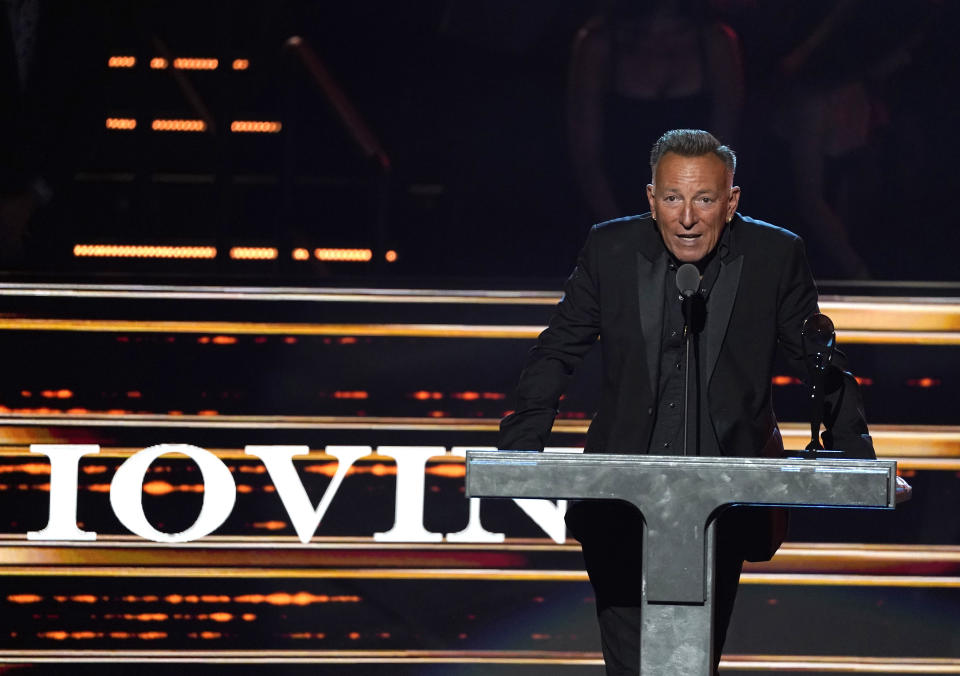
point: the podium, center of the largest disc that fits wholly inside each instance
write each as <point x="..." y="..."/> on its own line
<point x="678" y="498"/>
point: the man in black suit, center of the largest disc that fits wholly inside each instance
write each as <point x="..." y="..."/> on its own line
<point x="755" y="292"/>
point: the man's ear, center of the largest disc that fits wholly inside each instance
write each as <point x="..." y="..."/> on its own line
<point x="652" y="201"/>
<point x="733" y="202"/>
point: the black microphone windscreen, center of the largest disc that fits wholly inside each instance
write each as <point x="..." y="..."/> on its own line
<point x="688" y="279"/>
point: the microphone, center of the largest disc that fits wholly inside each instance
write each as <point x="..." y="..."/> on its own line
<point x="694" y="307"/>
<point x="688" y="279"/>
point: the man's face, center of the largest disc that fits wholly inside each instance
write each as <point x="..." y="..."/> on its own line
<point x="692" y="199"/>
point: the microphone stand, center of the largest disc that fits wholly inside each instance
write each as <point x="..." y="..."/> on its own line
<point x="693" y="312"/>
<point x="688" y="282"/>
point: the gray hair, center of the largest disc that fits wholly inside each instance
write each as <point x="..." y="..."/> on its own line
<point x="691" y="143"/>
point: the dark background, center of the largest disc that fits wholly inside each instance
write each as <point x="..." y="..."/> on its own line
<point x="466" y="99"/>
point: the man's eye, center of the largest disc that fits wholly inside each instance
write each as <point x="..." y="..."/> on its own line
<point x="670" y="198"/>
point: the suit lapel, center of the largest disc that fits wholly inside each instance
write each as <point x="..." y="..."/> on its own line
<point x="719" y="308"/>
<point x="651" y="275"/>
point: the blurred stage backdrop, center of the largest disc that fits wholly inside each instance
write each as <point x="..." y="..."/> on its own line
<point x="339" y="226"/>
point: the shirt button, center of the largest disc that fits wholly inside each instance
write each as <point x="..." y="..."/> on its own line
<point x="673" y="334"/>
<point x="672" y="404"/>
<point x="666" y="444"/>
<point x="650" y="411"/>
<point x="677" y="365"/>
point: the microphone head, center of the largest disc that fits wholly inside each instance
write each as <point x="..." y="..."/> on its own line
<point x="688" y="279"/>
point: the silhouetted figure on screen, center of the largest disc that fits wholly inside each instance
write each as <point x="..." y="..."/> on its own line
<point x="636" y="70"/>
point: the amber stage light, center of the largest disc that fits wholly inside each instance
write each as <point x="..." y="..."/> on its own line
<point x="255" y="126"/>
<point x="121" y="123"/>
<point x="254" y="253"/>
<point x="178" y="125"/>
<point x="142" y="251"/>
<point x="344" y="255"/>
<point x="195" y="64"/>
<point x="122" y="62"/>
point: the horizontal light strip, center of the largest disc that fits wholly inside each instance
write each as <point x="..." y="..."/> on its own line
<point x="121" y="62"/>
<point x="386" y="330"/>
<point x="178" y="125"/>
<point x="142" y="251"/>
<point x="299" y="294"/>
<point x="490" y="575"/>
<point x="534" y="657"/>
<point x="850" y="580"/>
<point x="122" y="571"/>
<point x="255" y="127"/>
<point x="273" y="328"/>
<point x="343" y="255"/>
<point x="816" y="663"/>
<point x="841" y="664"/>
<point x="290" y="553"/>
<point x="878" y="314"/>
<point x="241" y="64"/>
<point x="862" y="313"/>
<point x="913" y="446"/>
<point x="124" y="123"/>
<point x="195" y="64"/>
<point x="254" y="253"/>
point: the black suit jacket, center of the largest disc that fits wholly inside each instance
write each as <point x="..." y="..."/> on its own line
<point x="762" y="295"/>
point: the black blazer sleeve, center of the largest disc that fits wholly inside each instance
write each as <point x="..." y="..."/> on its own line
<point x="572" y="331"/>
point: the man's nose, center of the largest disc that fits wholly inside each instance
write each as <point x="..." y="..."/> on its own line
<point x="688" y="217"/>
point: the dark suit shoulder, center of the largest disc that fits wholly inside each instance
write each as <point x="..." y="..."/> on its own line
<point x="633" y="232"/>
<point x="753" y="228"/>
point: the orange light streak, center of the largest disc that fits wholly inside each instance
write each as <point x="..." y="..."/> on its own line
<point x="255" y="127"/>
<point x="241" y="64"/>
<point x="125" y="123"/>
<point x="152" y="635"/>
<point x="24" y="598"/>
<point x="344" y="255"/>
<point x="301" y="254"/>
<point x="270" y="525"/>
<point x="298" y="599"/>
<point x="865" y="382"/>
<point x="923" y="382"/>
<point x="780" y="381"/>
<point x="56" y="394"/>
<point x="254" y="253"/>
<point x="146" y="617"/>
<point x="448" y="471"/>
<point x="423" y="395"/>
<point x="224" y="340"/>
<point x="142" y="251"/>
<point x="356" y="394"/>
<point x="26" y="468"/>
<point x="195" y="64"/>
<point x="158" y="63"/>
<point x="391" y="256"/>
<point x="121" y="62"/>
<point x="165" y="488"/>
<point x="178" y="125"/>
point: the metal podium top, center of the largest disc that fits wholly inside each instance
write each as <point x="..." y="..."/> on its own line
<point x="677" y="496"/>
